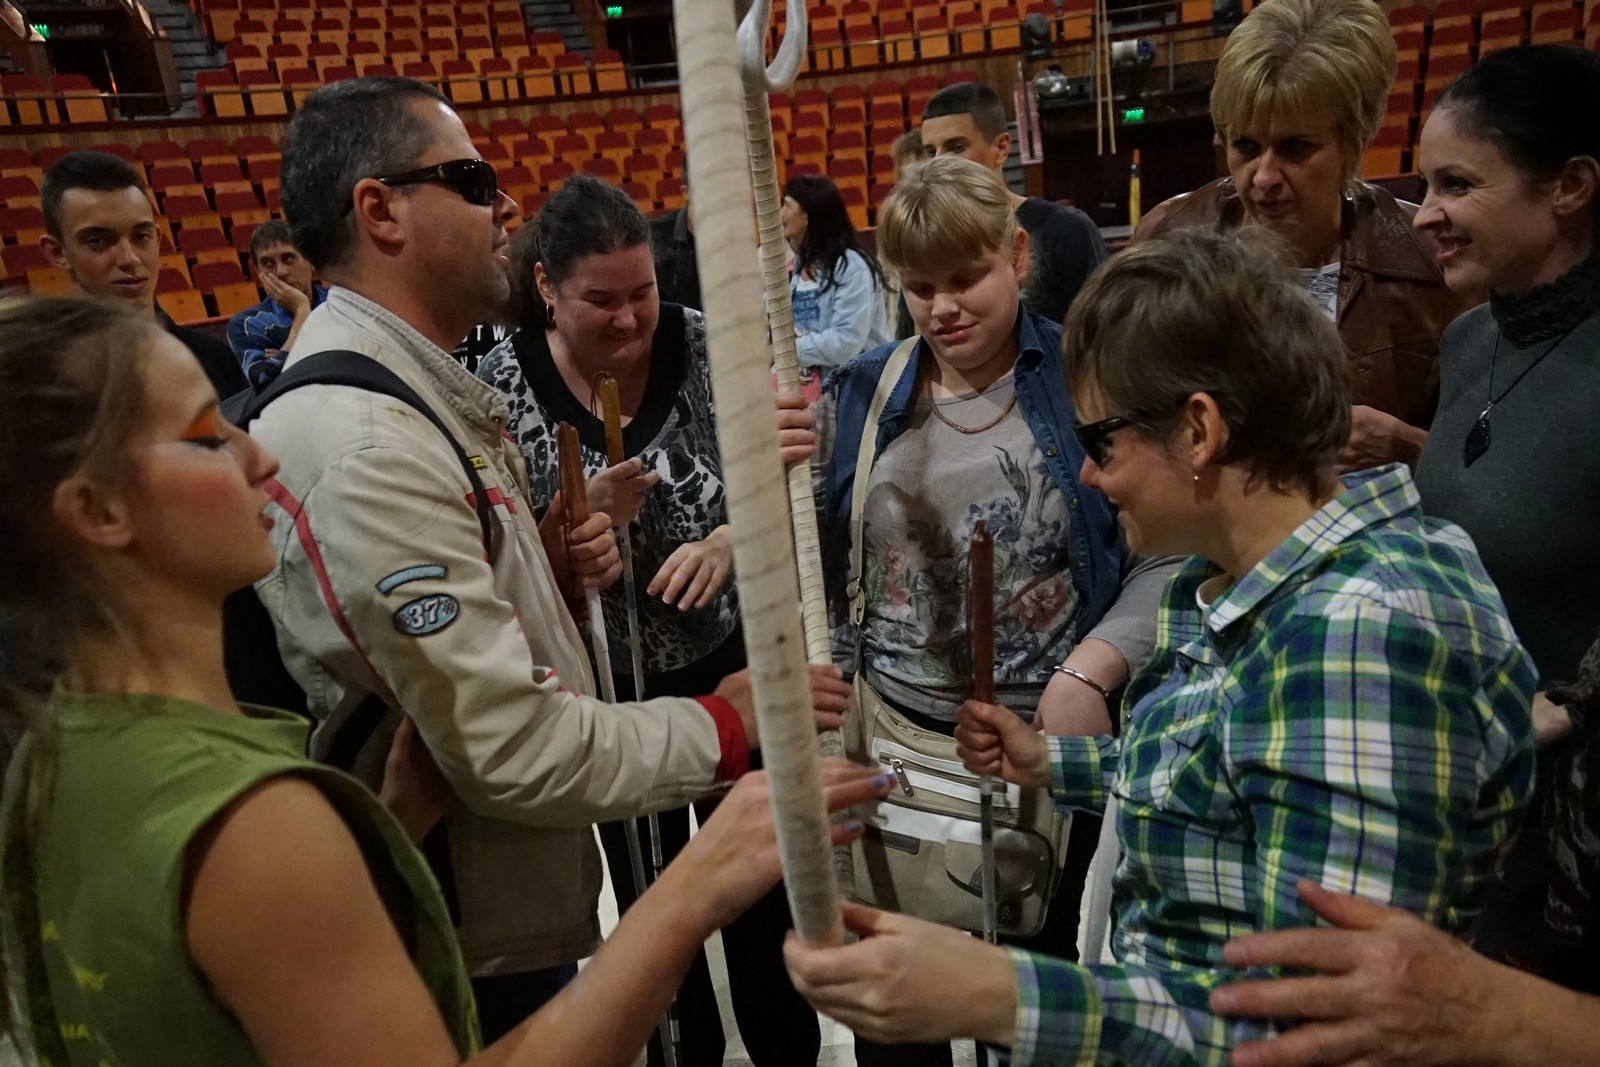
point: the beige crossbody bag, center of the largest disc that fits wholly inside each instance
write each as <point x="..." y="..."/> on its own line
<point x="921" y="854"/>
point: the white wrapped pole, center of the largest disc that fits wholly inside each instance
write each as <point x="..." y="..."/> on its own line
<point x="763" y="546"/>
<point x="758" y="80"/>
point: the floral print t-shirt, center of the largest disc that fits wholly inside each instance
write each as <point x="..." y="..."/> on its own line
<point x="927" y="488"/>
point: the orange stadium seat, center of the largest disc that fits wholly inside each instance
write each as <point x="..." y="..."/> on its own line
<point x="19" y="190"/>
<point x="613" y="145"/>
<point x="190" y="212"/>
<point x="500" y="81"/>
<point x="531" y="151"/>
<point x="21" y="225"/>
<point x="508" y="131"/>
<point x="572" y="75"/>
<point x="231" y="298"/>
<point x="183" y="306"/>
<point x="572" y="147"/>
<point x="609" y="75"/>
<point x="607" y="170"/>
<point x="1561" y="26"/>
<point x="153" y="152"/>
<point x="639" y="193"/>
<point x="206" y="244"/>
<point x="1455" y="39"/>
<point x="538" y="76"/>
<point x="27" y="99"/>
<point x="553" y="175"/>
<point x="255" y="146"/>
<point x="175" y="179"/>
<point x="669" y="193"/>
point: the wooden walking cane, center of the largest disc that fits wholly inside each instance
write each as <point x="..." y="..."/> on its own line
<point x="980" y="630"/>
<point x="611" y="414"/>
<point x="763" y="543"/>
<point x="575" y="496"/>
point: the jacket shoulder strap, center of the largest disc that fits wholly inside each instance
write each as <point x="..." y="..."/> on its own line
<point x="343" y="367"/>
<point x="893" y="368"/>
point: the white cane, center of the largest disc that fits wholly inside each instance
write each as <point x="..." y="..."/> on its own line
<point x="575" y="495"/>
<point x="611" y="414"/>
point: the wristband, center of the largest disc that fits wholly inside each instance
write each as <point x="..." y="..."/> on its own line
<point x="1086" y="680"/>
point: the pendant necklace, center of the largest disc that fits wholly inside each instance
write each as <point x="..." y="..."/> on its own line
<point x="1478" y="438"/>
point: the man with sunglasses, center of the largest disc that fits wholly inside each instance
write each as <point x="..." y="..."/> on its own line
<point x="382" y="586"/>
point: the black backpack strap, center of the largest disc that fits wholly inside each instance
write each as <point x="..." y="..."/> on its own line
<point x="343" y="367"/>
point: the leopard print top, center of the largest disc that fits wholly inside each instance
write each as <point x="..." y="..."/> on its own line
<point x="675" y="433"/>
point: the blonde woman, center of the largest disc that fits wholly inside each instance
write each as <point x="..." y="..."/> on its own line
<point x="977" y="428"/>
<point x="1299" y="94"/>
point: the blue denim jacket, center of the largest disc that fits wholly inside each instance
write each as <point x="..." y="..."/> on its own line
<point x="1098" y="556"/>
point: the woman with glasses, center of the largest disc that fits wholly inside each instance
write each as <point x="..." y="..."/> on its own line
<point x="1336" y="693"/>
<point x="976" y="428"/>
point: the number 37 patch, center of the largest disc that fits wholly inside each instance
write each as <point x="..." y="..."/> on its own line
<point x="427" y="614"/>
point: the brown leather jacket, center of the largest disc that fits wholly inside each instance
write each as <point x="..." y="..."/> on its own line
<point x="1393" y="303"/>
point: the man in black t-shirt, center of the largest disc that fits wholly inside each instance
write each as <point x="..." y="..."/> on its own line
<point x="101" y="229"/>
<point x="672" y="244"/>
<point x="968" y="119"/>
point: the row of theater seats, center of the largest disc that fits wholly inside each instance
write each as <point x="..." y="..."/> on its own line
<point x="222" y="18"/>
<point x="28" y="100"/>
<point x="1435" y="47"/>
<point x="273" y="86"/>
<point x="211" y="194"/>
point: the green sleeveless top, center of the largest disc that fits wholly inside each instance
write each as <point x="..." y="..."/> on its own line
<point x="98" y="944"/>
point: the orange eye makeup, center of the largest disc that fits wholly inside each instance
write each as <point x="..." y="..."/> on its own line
<point x="207" y="426"/>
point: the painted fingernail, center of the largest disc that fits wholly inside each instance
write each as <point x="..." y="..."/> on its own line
<point x="882" y="781"/>
<point x="854" y="826"/>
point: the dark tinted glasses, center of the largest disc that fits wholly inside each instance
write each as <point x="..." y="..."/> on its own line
<point x="473" y="179"/>
<point x="1093" y="436"/>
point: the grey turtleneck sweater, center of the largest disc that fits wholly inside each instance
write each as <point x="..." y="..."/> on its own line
<point x="1531" y="502"/>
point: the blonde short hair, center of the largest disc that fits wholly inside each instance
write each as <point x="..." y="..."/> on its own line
<point x="945" y="211"/>
<point x="1293" y="59"/>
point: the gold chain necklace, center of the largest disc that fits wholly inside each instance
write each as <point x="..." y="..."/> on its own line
<point x="956" y="426"/>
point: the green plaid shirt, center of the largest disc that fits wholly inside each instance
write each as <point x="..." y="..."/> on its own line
<point x="1355" y="710"/>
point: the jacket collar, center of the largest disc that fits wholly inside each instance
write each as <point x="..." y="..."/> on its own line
<point x="478" y="403"/>
<point x="1030" y="357"/>
<point x="1378" y="236"/>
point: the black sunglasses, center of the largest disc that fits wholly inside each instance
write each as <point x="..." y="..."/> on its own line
<point x="1094" y="436"/>
<point x="473" y="179"/>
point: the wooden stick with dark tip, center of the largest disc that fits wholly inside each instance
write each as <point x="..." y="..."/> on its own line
<point x="980" y="630"/>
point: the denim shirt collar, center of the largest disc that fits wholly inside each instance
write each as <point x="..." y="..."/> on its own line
<point x="1030" y="359"/>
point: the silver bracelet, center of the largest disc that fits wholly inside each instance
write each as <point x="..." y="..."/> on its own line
<point x="1086" y="680"/>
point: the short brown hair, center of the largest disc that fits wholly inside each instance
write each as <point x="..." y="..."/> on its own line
<point x="1225" y="315"/>
<point x="1307" y="58"/>
<point x="269" y="233"/>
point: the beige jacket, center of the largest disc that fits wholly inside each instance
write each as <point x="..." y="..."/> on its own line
<point x="382" y="587"/>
